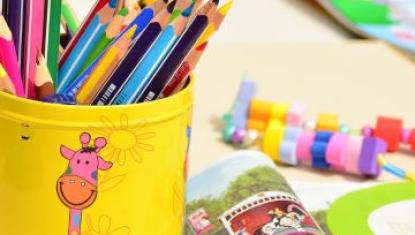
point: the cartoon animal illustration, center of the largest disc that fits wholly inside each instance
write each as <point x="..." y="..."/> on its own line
<point x="281" y="220"/>
<point x="77" y="187"/>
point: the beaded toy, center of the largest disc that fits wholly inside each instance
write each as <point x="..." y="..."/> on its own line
<point x="287" y="138"/>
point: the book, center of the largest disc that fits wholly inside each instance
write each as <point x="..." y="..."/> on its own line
<point x="245" y="195"/>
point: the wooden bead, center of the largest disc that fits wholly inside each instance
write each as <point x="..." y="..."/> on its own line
<point x="354" y="148"/>
<point x="323" y="136"/>
<point x="288" y="148"/>
<point x="368" y="161"/>
<point x="273" y="137"/>
<point x="327" y="122"/>
<point x="337" y="151"/>
<point x="295" y="115"/>
<point x="305" y="141"/>
<point x="260" y="110"/>
<point x="389" y="130"/>
<point x="318" y="151"/>
<point x="412" y="141"/>
<point x="246" y="93"/>
<point x="250" y="138"/>
<point x="280" y="111"/>
<point x="310" y="125"/>
<point x="257" y="125"/>
<point x="238" y="136"/>
<point x="227" y="132"/>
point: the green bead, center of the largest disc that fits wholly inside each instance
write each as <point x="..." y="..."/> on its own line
<point x="227" y="132"/>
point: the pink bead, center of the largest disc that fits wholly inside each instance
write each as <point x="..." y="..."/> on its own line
<point x="337" y="151"/>
<point x="295" y="115"/>
<point x="354" y="148"/>
<point x="405" y="136"/>
<point x="367" y="131"/>
<point x="304" y="144"/>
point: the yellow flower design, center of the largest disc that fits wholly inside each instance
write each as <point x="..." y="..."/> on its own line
<point x="104" y="227"/>
<point x="125" y="141"/>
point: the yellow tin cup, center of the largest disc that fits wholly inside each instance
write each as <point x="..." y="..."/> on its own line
<point x="104" y="170"/>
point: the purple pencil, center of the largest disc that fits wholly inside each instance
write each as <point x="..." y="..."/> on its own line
<point x="15" y="19"/>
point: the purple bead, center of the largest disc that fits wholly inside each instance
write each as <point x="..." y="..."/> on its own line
<point x="405" y="136"/>
<point x="238" y="136"/>
<point x="367" y="131"/>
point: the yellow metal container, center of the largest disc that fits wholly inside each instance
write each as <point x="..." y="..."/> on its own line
<point x="142" y="193"/>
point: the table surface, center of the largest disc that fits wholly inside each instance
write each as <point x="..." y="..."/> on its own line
<point x="358" y="80"/>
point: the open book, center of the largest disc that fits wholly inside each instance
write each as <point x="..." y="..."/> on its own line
<point x="245" y="195"/>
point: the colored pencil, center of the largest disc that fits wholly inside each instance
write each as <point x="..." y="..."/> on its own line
<point x="138" y="50"/>
<point x="44" y="81"/>
<point x="8" y="57"/>
<point x="181" y="6"/>
<point x="170" y="65"/>
<point x="148" y="66"/>
<point x="133" y="12"/>
<point x="179" y="78"/>
<point x="6" y="84"/>
<point x="114" y="28"/>
<point x="103" y="70"/>
<point x="70" y="17"/>
<point x="78" y="56"/>
<point x="52" y="36"/>
<point x="95" y="9"/>
<point x="16" y="19"/>
<point x="34" y="24"/>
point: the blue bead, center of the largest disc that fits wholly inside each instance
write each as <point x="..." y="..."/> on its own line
<point x="323" y="136"/>
<point x="318" y="151"/>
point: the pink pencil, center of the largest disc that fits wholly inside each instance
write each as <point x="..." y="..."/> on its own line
<point x="8" y="57"/>
<point x="33" y="43"/>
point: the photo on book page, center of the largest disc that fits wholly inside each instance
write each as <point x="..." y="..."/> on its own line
<point x="389" y="20"/>
<point x="245" y="195"/>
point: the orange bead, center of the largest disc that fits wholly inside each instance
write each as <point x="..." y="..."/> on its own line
<point x="260" y="110"/>
<point x="254" y="124"/>
<point x="327" y="122"/>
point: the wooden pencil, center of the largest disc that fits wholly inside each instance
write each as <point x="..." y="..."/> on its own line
<point x="150" y="63"/>
<point x="138" y="50"/>
<point x="78" y="56"/>
<point x="8" y="57"/>
<point x="103" y="70"/>
<point x="70" y="17"/>
<point x="44" y="81"/>
<point x="133" y="12"/>
<point x="170" y="65"/>
<point x="181" y="6"/>
<point x="95" y="9"/>
<point x="5" y="83"/>
<point x="16" y="20"/>
<point x="52" y="36"/>
<point x="114" y="28"/>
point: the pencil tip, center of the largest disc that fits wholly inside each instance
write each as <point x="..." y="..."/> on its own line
<point x="123" y="11"/>
<point x="113" y="3"/>
<point x="225" y="8"/>
<point x="2" y="71"/>
<point x="131" y="31"/>
<point x="202" y="47"/>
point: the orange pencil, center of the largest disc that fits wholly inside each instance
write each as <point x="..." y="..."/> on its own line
<point x="5" y="84"/>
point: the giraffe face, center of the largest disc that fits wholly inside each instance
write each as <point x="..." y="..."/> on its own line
<point x="75" y="192"/>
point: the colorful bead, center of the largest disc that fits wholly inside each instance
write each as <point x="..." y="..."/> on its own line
<point x="238" y="136"/>
<point x="354" y="148"/>
<point x="310" y="125"/>
<point x="260" y="110"/>
<point x="344" y="128"/>
<point x="288" y="148"/>
<point x="295" y="115"/>
<point x="411" y="141"/>
<point x="367" y="131"/>
<point x="337" y="151"/>
<point x="405" y="136"/>
<point x="368" y="161"/>
<point x="246" y="93"/>
<point x="389" y="130"/>
<point x="318" y="151"/>
<point x="305" y="141"/>
<point x="227" y="132"/>
<point x="327" y="122"/>
<point x="272" y="139"/>
<point x="257" y="125"/>
<point x="323" y="136"/>
<point x="250" y="139"/>
<point x="279" y="111"/>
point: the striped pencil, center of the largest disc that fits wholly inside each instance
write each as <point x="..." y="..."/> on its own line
<point x="78" y="56"/>
<point x="166" y="71"/>
<point x="5" y="83"/>
<point x="114" y="28"/>
<point x="97" y="7"/>
<point x="8" y="57"/>
<point x="44" y="81"/>
<point x="104" y="69"/>
<point x="34" y="25"/>
<point x="148" y="66"/>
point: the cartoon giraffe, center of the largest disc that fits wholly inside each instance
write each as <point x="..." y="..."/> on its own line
<point x="77" y="187"/>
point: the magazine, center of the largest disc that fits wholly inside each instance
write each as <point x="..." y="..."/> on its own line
<point x="245" y="195"/>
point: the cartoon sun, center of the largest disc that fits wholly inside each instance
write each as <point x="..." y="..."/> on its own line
<point x="125" y="141"/>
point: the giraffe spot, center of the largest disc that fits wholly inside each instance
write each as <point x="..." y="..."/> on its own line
<point x="94" y="175"/>
<point x="76" y="220"/>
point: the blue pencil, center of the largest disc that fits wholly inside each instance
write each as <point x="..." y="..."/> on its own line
<point x="96" y="29"/>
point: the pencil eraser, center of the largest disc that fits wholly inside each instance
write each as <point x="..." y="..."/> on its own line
<point x="412" y="140"/>
<point x="260" y="110"/>
<point x="288" y="150"/>
<point x="327" y="122"/>
<point x="304" y="143"/>
<point x="318" y="151"/>
<point x="354" y="148"/>
<point x="337" y="151"/>
<point x="258" y="125"/>
<point x="273" y="137"/>
<point x="389" y="130"/>
<point x="368" y="161"/>
<point x="280" y="111"/>
<point x="246" y="93"/>
<point x="323" y="136"/>
<point x="295" y="114"/>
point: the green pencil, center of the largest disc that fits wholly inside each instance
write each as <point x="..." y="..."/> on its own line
<point x="70" y="18"/>
<point x="52" y="36"/>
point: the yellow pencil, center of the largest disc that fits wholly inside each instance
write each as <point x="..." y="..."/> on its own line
<point x="105" y="67"/>
<point x="6" y="84"/>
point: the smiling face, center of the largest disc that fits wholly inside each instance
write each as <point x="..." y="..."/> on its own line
<point x="76" y="192"/>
